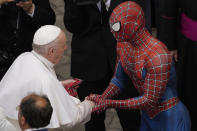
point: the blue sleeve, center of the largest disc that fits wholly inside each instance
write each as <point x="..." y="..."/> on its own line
<point x="120" y="78"/>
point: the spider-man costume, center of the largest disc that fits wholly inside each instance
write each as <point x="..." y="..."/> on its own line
<point x="147" y="62"/>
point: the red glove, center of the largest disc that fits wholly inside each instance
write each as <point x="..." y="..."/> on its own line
<point x="111" y="92"/>
<point x="103" y="104"/>
<point x="71" y="87"/>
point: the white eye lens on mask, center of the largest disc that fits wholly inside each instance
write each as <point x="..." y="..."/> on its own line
<point x="116" y="26"/>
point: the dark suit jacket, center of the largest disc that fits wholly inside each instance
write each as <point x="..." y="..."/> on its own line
<point x="93" y="45"/>
<point x="13" y="40"/>
<point x="167" y="22"/>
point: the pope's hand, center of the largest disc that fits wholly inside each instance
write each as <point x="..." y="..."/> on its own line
<point x="5" y="1"/>
<point x="94" y="97"/>
<point x="101" y="104"/>
<point x="71" y="86"/>
<point x="91" y="102"/>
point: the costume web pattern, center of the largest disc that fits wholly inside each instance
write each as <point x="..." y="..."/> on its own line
<point x="143" y="58"/>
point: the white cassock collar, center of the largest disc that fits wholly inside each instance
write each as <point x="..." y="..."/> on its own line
<point x="107" y="4"/>
<point x="46" y="62"/>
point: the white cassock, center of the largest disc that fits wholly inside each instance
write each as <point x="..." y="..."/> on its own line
<point x="5" y="125"/>
<point x="32" y="73"/>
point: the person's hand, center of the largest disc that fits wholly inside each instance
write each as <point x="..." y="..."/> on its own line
<point x="27" y="6"/>
<point x="91" y="102"/>
<point x="94" y="97"/>
<point x="71" y="86"/>
<point x="101" y="104"/>
<point x="5" y="1"/>
<point x="175" y="55"/>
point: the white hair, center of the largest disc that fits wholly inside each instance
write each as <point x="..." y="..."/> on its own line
<point x="43" y="49"/>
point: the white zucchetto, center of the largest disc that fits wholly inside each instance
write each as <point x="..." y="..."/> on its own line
<point x="46" y="34"/>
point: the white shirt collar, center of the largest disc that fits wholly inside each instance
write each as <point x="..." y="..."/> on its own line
<point x="107" y="4"/>
<point x="46" y="62"/>
<point x="99" y="5"/>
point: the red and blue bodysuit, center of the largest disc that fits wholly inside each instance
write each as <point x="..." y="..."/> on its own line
<point x="147" y="62"/>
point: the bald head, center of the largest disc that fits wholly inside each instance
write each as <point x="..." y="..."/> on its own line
<point x="40" y="101"/>
<point x="37" y="110"/>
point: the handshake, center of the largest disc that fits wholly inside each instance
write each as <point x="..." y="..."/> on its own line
<point x="71" y="86"/>
<point x="102" y="102"/>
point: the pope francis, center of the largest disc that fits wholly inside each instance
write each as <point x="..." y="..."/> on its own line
<point x="32" y="72"/>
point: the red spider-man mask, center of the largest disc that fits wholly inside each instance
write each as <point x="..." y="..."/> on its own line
<point x="126" y="20"/>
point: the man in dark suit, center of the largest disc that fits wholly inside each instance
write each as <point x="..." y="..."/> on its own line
<point x="18" y="23"/>
<point x="94" y="54"/>
<point x="35" y="112"/>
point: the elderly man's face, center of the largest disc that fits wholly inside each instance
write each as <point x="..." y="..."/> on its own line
<point x="61" y="47"/>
